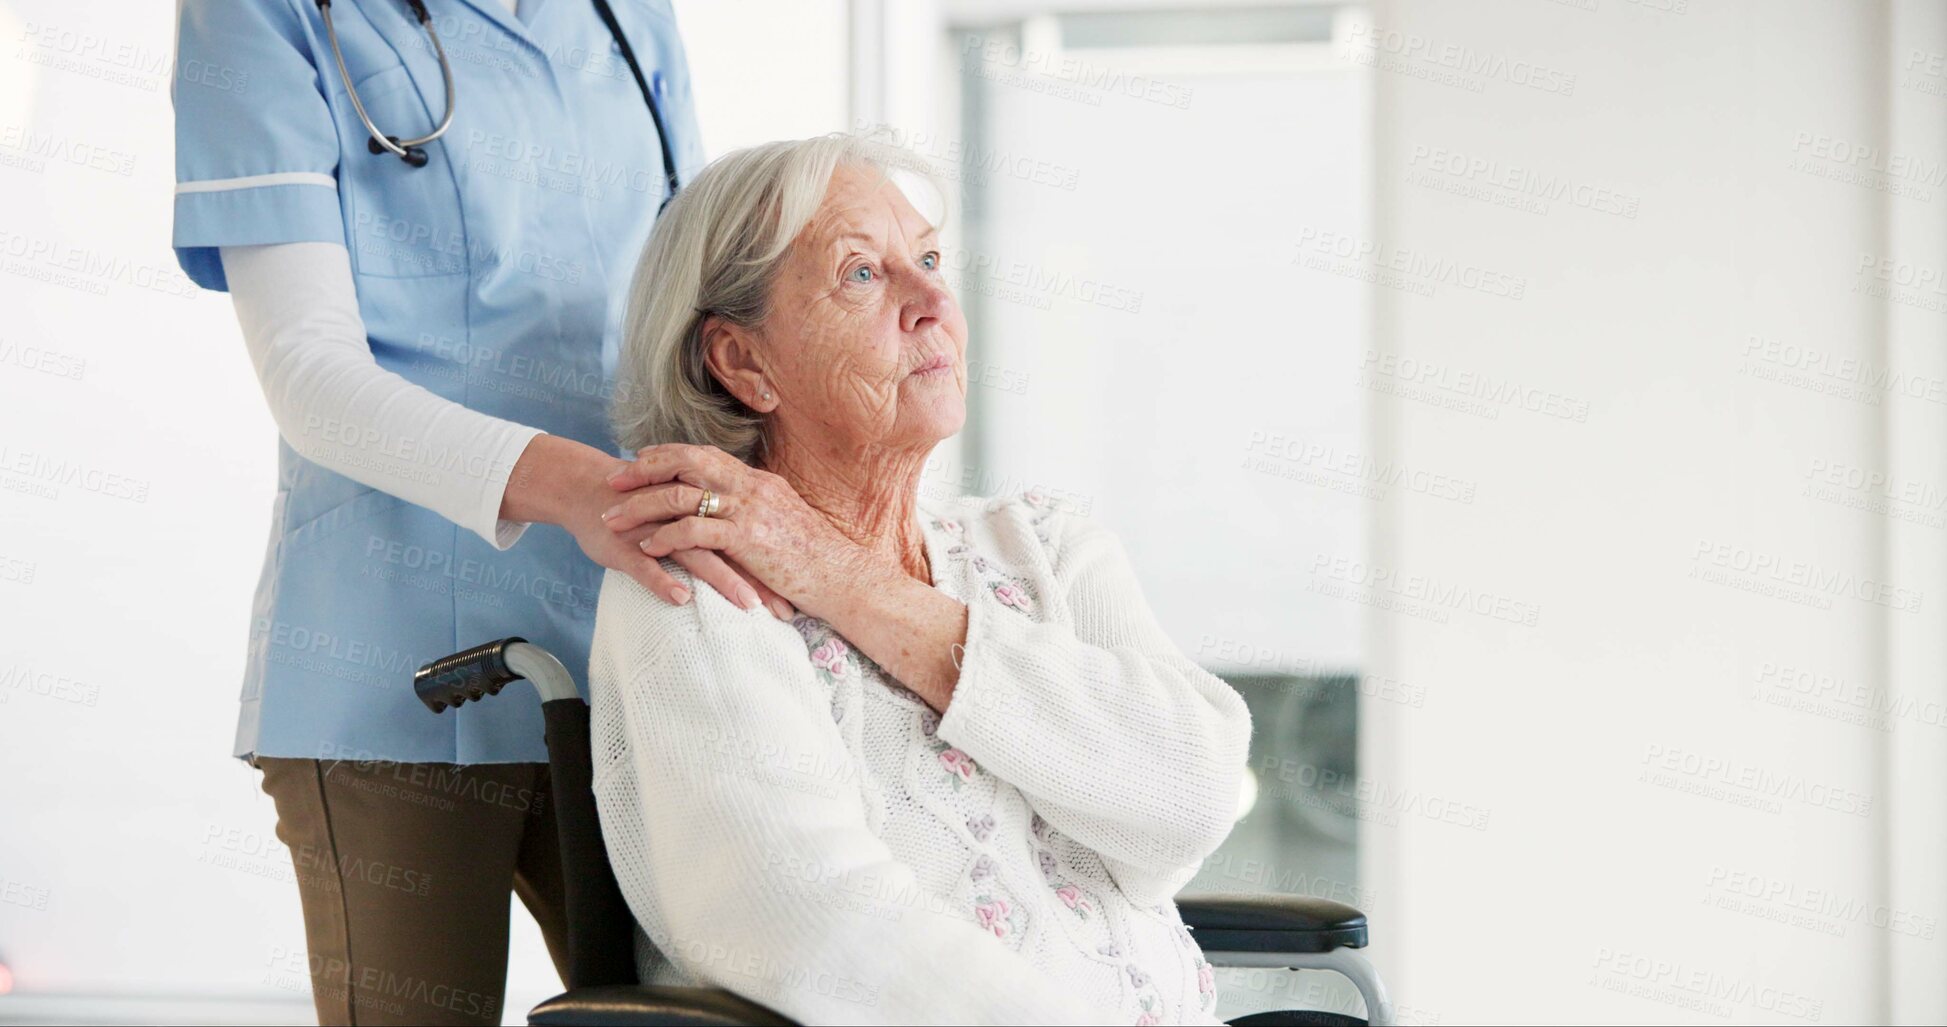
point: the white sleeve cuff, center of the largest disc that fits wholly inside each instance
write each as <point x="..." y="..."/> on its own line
<point x="486" y="521"/>
<point x="989" y="704"/>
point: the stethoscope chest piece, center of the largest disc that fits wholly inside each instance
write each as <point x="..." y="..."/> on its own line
<point x="413" y="155"/>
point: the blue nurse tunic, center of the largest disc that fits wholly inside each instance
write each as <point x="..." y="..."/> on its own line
<point x="493" y="276"/>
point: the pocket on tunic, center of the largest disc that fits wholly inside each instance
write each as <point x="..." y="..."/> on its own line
<point x="299" y="537"/>
<point x="402" y="221"/>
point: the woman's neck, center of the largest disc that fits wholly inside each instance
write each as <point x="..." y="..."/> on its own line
<point x="869" y="495"/>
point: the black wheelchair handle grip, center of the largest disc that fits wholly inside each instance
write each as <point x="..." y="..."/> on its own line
<point x="472" y="674"/>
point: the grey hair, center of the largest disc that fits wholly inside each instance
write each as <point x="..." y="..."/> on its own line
<point x="716" y="250"/>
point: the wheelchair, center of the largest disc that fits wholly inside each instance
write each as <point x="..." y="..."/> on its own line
<point x="1294" y="932"/>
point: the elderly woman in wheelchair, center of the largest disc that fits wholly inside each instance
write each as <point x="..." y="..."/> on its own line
<point x="956" y="771"/>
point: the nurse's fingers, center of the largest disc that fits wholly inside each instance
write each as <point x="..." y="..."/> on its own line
<point x="777" y="603"/>
<point x="650" y="575"/>
<point x="710" y="568"/>
<point x="653" y="503"/>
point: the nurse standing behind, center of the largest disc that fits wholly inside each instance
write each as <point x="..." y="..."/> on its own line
<point x="436" y="342"/>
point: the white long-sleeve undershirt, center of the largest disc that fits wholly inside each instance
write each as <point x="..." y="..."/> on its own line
<point x="339" y="409"/>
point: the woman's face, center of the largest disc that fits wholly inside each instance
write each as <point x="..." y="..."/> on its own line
<point x="865" y="347"/>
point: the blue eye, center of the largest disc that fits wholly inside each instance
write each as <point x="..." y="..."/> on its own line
<point x="930" y="262"/>
<point x="862" y="273"/>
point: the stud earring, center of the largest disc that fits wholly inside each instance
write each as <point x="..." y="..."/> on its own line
<point x="767" y="395"/>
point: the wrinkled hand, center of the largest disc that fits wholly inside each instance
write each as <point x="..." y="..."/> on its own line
<point x="762" y="524"/>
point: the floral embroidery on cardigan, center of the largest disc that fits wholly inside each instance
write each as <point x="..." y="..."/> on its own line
<point x="1152" y="1003"/>
<point x="1011" y="592"/>
<point x="1011" y="595"/>
<point x="1041" y="507"/>
<point x="1206" y="973"/>
<point x="959" y="765"/>
<point x="995" y="914"/>
<point x="1070" y="895"/>
<point x="1150" y="1000"/>
<point x="1073" y="898"/>
<point x="981" y="827"/>
<point x="831" y="656"/>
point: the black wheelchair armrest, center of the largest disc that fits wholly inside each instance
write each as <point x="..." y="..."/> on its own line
<point x="1227" y="924"/>
<point x="1272" y="923"/>
<point x="642" y="1005"/>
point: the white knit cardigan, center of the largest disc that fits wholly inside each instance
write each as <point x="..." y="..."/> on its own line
<point x="788" y="822"/>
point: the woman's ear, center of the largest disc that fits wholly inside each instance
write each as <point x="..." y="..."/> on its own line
<point x="731" y="353"/>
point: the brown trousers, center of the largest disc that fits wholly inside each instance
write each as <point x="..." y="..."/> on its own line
<point x="404" y="871"/>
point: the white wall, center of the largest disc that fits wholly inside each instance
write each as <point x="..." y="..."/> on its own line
<point x="142" y="851"/>
<point x="1626" y="811"/>
<point x="1915" y="759"/>
<point x="765" y="69"/>
<point x="1159" y="363"/>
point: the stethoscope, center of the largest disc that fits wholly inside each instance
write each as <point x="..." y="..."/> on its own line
<point x="413" y="151"/>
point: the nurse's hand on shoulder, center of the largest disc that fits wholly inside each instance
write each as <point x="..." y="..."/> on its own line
<point x="561" y="481"/>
